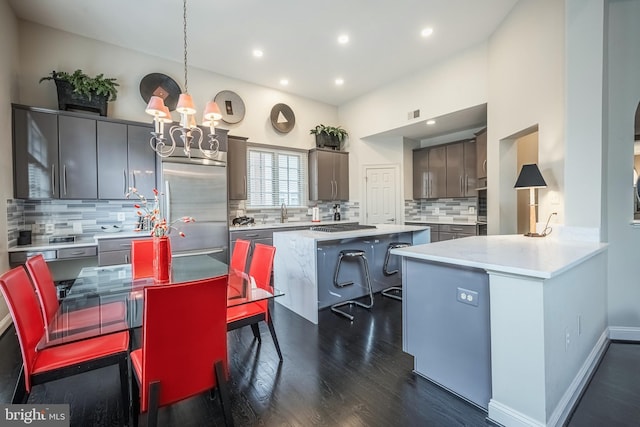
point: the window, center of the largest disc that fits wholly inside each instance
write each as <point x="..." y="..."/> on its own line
<point x="275" y="177"/>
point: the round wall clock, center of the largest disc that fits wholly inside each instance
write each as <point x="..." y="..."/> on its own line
<point x="158" y="84"/>
<point x="282" y="118"/>
<point x="231" y="106"/>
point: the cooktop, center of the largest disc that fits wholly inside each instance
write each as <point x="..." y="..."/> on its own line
<point x="334" y="228"/>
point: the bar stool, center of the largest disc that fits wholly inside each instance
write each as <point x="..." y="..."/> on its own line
<point x="355" y="254"/>
<point x="389" y="291"/>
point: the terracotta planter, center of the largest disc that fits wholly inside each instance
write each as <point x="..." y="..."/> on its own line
<point x="70" y="100"/>
<point x="161" y="259"/>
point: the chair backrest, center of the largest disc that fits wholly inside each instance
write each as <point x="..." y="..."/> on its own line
<point x="27" y="317"/>
<point x="45" y="288"/>
<point x="141" y="258"/>
<point x="262" y="265"/>
<point x="184" y="335"/>
<point x="239" y="255"/>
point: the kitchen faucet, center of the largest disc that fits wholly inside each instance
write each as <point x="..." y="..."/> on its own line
<point x="283" y="213"/>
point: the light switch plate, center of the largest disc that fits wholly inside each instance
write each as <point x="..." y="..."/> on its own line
<point x="472" y="210"/>
<point x="77" y="227"/>
<point x="120" y="216"/>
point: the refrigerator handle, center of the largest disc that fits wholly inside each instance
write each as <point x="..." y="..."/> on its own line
<point x="167" y="196"/>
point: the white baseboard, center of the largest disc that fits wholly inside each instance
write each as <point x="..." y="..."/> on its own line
<point x="5" y="323"/>
<point x="507" y="416"/>
<point x="572" y="394"/>
<point x="624" y="333"/>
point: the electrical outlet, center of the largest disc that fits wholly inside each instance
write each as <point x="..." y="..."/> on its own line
<point x="467" y="296"/>
<point x="436" y="211"/>
<point x="472" y="210"/>
<point x="48" y="228"/>
<point x="310" y="211"/>
<point x="77" y="227"/>
<point x="120" y="216"/>
<point x="35" y="228"/>
<point x="567" y="339"/>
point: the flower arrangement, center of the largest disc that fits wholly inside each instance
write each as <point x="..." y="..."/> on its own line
<point x="151" y="212"/>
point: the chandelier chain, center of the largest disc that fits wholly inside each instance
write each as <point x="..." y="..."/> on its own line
<point x="184" y="11"/>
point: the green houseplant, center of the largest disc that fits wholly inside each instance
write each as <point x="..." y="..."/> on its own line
<point x="329" y="136"/>
<point x="79" y="91"/>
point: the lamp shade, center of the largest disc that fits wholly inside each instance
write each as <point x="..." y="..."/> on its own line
<point x="156" y="107"/>
<point x="212" y="112"/>
<point x="167" y="117"/>
<point x="530" y="177"/>
<point x="185" y="104"/>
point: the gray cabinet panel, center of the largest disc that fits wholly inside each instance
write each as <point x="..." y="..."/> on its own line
<point x="77" y="157"/>
<point x="437" y="172"/>
<point x="328" y="175"/>
<point x="142" y="160"/>
<point x="470" y="173"/>
<point x="481" y="153"/>
<point x="237" y="167"/>
<point x="35" y="151"/>
<point x="455" y="170"/>
<point x="112" y="160"/>
<point x="421" y="173"/>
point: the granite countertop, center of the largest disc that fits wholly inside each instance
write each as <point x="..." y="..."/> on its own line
<point x="286" y="225"/>
<point x="515" y="254"/>
<point x="379" y="230"/>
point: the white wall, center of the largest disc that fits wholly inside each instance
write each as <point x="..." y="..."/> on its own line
<point x="455" y="84"/>
<point x="8" y="93"/>
<point x="623" y="96"/>
<point x="43" y="49"/>
<point x="526" y="88"/>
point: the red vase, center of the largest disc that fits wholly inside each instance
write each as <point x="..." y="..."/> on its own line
<point x="161" y="259"/>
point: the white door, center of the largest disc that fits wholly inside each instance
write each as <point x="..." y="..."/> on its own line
<point x="381" y="194"/>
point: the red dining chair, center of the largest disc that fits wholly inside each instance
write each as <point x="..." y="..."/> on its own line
<point x="86" y="318"/>
<point x="255" y="312"/>
<point x="183" y="354"/>
<point x="40" y="366"/>
<point x="239" y="255"/>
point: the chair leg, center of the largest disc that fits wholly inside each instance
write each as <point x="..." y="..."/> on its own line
<point x="225" y="401"/>
<point x="20" y="394"/>
<point x="154" y="400"/>
<point x="274" y="337"/>
<point x="124" y="388"/>
<point x="389" y="292"/>
<point x="135" y="402"/>
<point x="256" y="331"/>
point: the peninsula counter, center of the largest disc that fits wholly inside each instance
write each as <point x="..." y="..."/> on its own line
<point x="546" y="318"/>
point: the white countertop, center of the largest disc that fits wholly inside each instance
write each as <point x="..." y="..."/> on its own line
<point x="442" y="221"/>
<point x="44" y="245"/>
<point x="379" y="230"/>
<point x="514" y="254"/>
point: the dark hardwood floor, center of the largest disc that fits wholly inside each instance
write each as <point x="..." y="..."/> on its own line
<point x="335" y="373"/>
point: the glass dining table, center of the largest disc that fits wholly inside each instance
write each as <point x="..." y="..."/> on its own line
<point x="97" y="287"/>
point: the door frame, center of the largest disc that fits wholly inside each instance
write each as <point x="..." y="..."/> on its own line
<point x="399" y="193"/>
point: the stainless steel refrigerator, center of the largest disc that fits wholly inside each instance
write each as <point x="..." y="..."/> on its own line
<point x="197" y="187"/>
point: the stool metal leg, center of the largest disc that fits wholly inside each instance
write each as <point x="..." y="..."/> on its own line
<point x="392" y="291"/>
<point x="335" y="276"/>
<point x="367" y="277"/>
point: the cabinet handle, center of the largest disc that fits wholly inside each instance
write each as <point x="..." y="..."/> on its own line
<point x="77" y="252"/>
<point x="126" y="259"/>
<point x="133" y="175"/>
<point x="484" y="166"/>
<point x="64" y="179"/>
<point x="429" y="188"/>
<point x="53" y="180"/>
<point x="251" y="235"/>
<point x="125" y="245"/>
<point x="124" y="179"/>
<point x="246" y="190"/>
<point x="466" y="184"/>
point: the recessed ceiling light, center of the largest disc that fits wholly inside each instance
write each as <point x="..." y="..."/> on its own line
<point x="431" y="122"/>
<point x="426" y="32"/>
<point x="343" y="39"/>
<point x="339" y="81"/>
<point x="284" y="82"/>
<point x="258" y="53"/>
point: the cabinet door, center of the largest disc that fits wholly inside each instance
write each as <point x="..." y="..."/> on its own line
<point x="35" y="155"/>
<point x="237" y="168"/>
<point x="421" y="174"/>
<point x="112" y="160"/>
<point x="481" y="154"/>
<point x="142" y="160"/>
<point x="341" y="175"/>
<point x="437" y="172"/>
<point x="470" y="181"/>
<point x="455" y="170"/>
<point x="321" y="179"/>
<point x="77" y="156"/>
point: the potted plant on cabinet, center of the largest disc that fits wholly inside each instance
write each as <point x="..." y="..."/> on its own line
<point x="329" y="136"/>
<point x="81" y="92"/>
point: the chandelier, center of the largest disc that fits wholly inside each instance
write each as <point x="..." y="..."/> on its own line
<point x="187" y="130"/>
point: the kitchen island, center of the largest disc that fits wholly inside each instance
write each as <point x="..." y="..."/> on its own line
<point x="543" y="302"/>
<point x="306" y="260"/>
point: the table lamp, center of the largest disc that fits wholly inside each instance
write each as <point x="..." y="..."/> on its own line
<point x="531" y="178"/>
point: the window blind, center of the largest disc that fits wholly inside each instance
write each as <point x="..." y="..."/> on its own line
<point x="275" y="177"/>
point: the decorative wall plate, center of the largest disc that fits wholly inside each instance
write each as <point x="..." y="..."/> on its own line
<point x="161" y="85"/>
<point x="231" y="106"/>
<point x="282" y="118"/>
